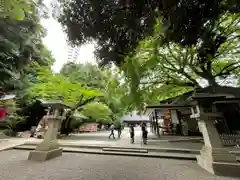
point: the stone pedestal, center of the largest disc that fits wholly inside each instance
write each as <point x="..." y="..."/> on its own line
<point x="213" y="156"/>
<point x="49" y="148"/>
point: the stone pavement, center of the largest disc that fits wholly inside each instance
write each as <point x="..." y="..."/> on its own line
<point x="13" y="165"/>
<point x="7" y="144"/>
<point x="101" y="139"/>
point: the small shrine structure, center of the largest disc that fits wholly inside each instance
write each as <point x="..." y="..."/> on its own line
<point x="217" y="115"/>
<point x="49" y="148"/>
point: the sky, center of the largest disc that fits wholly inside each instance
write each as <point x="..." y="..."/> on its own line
<point x="56" y="41"/>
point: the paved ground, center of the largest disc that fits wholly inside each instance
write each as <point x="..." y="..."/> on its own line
<point x="13" y="165"/>
<point x="101" y="138"/>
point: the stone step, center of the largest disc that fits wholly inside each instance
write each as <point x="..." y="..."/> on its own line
<point x="126" y="150"/>
<point x="175" y="138"/>
<point x="119" y="153"/>
<point x="132" y="147"/>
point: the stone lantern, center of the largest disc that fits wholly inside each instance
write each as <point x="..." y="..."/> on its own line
<point x="213" y="156"/>
<point x="49" y="147"/>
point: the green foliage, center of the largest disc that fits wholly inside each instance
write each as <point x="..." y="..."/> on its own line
<point x="57" y="87"/>
<point x="76" y="123"/>
<point x="9" y="102"/>
<point x="87" y="74"/>
<point x="98" y="112"/>
<point x="118" y="124"/>
<point x="158" y="71"/>
<point x="20" y="41"/>
<point x="11" y="124"/>
<point x="15" y="9"/>
<point x="164" y="48"/>
<point x="119" y="26"/>
<point x="108" y="83"/>
<point x="20" y="9"/>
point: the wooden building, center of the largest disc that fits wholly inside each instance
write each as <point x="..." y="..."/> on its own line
<point x="218" y="117"/>
<point x="174" y="109"/>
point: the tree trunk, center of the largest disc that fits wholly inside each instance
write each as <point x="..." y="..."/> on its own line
<point x="213" y="84"/>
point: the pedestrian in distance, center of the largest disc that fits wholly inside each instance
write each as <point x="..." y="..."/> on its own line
<point x="144" y="133"/>
<point x="131" y="130"/>
<point x="112" y="127"/>
<point x="119" y="130"/>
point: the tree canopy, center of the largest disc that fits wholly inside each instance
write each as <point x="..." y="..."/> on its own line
<point x="157" y="71"/>
<point x="20" y="40"/>
<point x="98" y="112"/>
<point x="103" y="79"/>
<point x="54" y="86"/>
<point x="25" y="64"/>
<point x="119" y="26"/>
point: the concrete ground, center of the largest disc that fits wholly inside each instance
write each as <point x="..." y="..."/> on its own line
<point x="14" y="165"/>
<point x="101" y="139"/>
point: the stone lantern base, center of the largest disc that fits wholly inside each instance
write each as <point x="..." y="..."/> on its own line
<point x="219" y="162"/>
<point x="44" y="155"/>
<point x="46" y="150"/>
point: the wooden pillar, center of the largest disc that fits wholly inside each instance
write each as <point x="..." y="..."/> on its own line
<point x="157" y="125"/>
<point x="151" y="123"/>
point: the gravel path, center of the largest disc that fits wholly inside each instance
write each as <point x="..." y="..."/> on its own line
<point x="14" y="166"/>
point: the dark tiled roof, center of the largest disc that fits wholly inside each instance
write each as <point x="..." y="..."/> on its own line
<point x="134" y="117"/>
<point x="57" y="103"/>
<point x="183" y="99"/>
<point x="168" y="106"/>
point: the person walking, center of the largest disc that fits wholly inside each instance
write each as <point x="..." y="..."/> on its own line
<point x="119" y="130"/>
<point x="144" y="133"/>
<point x="112" y="127"/>
<point x="131" y="131"/>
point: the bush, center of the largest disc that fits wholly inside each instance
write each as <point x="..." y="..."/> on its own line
<point x="11" y="124"/>
<point x="76" y="123"/>
<point x="9" y="132"/>
<point x="2" y="124"/>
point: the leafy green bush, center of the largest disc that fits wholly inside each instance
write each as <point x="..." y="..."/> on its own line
<point x="76" y="123"/>
<point x="11" y="124"/>
<point x="2" y="124"/>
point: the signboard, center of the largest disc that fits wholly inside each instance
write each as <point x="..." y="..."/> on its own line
<point x="91" y="127"/>
<point x="174" y="117"/>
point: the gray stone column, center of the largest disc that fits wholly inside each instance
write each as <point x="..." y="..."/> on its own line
<point x="213" y="156"/>
<point x="49" y="147"/>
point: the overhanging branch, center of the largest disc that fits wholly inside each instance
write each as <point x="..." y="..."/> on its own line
<point x="228" y="71"/>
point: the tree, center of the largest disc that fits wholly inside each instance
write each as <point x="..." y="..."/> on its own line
<point x="173" y="69"/>
<point x="47" y="85"/>
<point x="115" y="93"/>
<point x="97" y="112"/>
<point x="118" y="26"/>
<point x="55" y="86"/>
<point x="20" y="42"/>
<point x="87" y="74"/>
<point x="106" y="80"/>
<point x="17" y="10"/>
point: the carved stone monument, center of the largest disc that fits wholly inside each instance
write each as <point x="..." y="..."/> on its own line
<point x="213" y="157"/>
<point x="49" y="148"/>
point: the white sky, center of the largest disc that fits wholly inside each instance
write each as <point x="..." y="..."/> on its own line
<point x="56" y="41"/>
